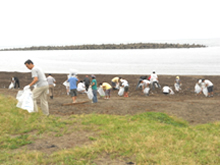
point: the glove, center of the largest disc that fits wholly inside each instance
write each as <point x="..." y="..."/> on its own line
<point x="27" y="87"/>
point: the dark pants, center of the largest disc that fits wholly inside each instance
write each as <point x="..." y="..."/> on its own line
<point x="94" y="99"/>
<point x="154" y="85"/>
<point x="87" y="86"/>
<point x="16" y="82"/>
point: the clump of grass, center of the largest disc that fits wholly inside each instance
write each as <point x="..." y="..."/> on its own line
<point x="148" y="138"/>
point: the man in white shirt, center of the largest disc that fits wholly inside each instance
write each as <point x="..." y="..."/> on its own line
<point x="209" y="85"/>
<point x="40" y="92"/>
<point x="154" y="80"/>
<point x="51" y="81"/>
<point x="167" y="90"/>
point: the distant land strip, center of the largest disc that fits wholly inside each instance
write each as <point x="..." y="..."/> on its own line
<point x="110" y="46"/>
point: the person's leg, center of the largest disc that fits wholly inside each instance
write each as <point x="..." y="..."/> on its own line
<point x="74" y="95"/>
<point x="153" y="85"/>
<point x="211" y="91"/>
<point x="18" y="83"/>
<point x="43" y="100"/>
<point x="36" y="94"/>
<point x="52" y="91"/>
<point x="74" y="99"/>
<point x="87" y="87"/>
<point x="109" y="93"/>
<point x="94" y="99"/>
<point x="106" y="94"/>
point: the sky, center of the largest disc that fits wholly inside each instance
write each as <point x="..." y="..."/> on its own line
<point x="75" y="22"/>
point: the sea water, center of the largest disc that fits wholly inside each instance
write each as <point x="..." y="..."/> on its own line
<point x="184" y="61"/>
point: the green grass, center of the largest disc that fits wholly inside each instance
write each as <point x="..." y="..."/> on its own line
<point x="148" y="138"/>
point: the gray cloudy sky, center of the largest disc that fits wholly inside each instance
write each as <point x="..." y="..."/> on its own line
<point x="74" y="22"/>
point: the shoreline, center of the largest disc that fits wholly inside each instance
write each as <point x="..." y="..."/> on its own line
<point x="113" y="74"/>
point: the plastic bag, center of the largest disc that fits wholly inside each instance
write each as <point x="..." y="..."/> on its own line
<point x="90" y="94"/>
<point x="146" y="91"/>
<point x="117" y="86"/>
<point x="19" y="94"/>
<point x="197" y="88"/>
<point x="25" y="100"/>
<point x="65" y="83"/>
<point x="11" y="86"/>
<point x="205" y="91"/>
<point x="172" y="92"/>
<point x="121" y="91"/>
<point x="101" y="92"/>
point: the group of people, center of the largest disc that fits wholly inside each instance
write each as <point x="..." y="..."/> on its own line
<point x="204" y="86"/>
<point x="75" y="86"/>
<point x="152" y="82"/>
<point x="43" y="84"/>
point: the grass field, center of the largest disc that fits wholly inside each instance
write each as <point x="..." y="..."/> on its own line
<point x="148" y="138"/>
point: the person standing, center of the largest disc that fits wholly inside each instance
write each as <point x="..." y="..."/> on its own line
<point x="154" y="80"/>
<point x="73" y="87"/>
<point x="40" y="92"/>
<point x="94" y="89"/>
<point x="87" y="82"/>
<point x="51" y="81"/>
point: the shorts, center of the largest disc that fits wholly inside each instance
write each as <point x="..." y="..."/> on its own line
<point x="113" y="84"/>
<point x="210" y="89"/>
<point x="107" y="92"/>
<point x="126" y="89"/>
<point x="166" y="93"/>
<point x="73" y="92"/>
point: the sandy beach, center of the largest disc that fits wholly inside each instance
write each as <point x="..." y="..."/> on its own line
<point x="184" y="104"/>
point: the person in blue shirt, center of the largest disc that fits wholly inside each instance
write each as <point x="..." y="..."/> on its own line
<point x="73" y="87"/>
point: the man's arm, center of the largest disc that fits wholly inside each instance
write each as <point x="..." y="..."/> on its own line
<point x="34" y="81"/>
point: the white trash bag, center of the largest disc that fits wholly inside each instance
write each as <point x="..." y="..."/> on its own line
<point x="89" y="93"/>
<point x="197" y="89"/>
<point x="101" y="92"/>
<point x="25" y="100"/>
<point x="121" y="91"/>
<point x="205" y="91"/>
<point x="146" y="90"/>
<point x="117" y="86"/>
<point x="11" y="86"/>
<point x="171" y="92"/>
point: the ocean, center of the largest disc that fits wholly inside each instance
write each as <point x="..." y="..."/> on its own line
<point x="187" y="61"/>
